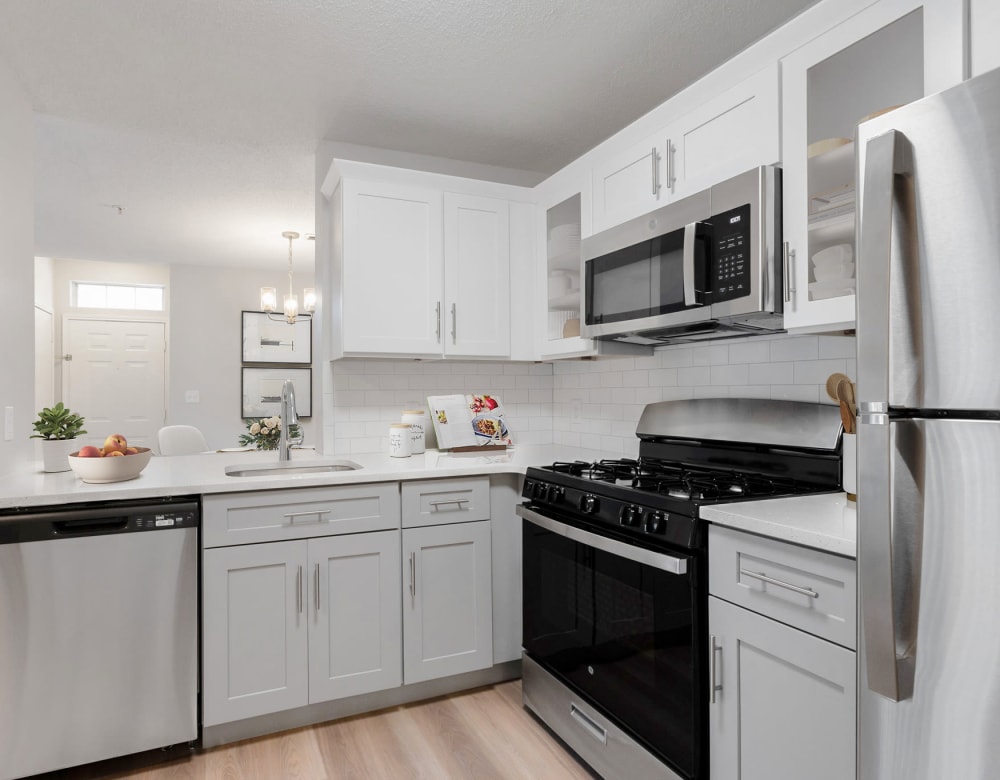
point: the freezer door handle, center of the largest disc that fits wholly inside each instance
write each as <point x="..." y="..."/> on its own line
<point x="888" y="165"/>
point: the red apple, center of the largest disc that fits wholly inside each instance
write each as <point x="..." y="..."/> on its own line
<point x="115" y="443"/>
<point x="88" y="451"/>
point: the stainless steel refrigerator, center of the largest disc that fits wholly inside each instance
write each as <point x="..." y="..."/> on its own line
<point x="929" y="438"/>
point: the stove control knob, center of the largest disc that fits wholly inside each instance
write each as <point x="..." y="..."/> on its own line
<point x="630" y="516"/>
<point x="556" y="494"/>
<point x="539" y="490"/>
<point x="589" y="504"/>
<point x="656" y="523"/>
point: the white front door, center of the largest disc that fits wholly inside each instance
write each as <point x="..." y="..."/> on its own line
<point x="114" y="375"/>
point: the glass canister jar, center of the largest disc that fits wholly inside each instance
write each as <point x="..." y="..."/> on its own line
<point x="417" y="419"/>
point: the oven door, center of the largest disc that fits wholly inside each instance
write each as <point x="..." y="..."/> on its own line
<point x="618" y="623"/>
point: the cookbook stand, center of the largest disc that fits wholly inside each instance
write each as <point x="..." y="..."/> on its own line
<point x="468" y="423"/>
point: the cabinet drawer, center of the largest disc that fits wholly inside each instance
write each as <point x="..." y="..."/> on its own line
<point x="269" y="515"/>
<point x="438" y="501"/>
<point x="807" y="589"/>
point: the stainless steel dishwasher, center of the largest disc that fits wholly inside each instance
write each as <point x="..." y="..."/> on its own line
<point x="98" y="632"/>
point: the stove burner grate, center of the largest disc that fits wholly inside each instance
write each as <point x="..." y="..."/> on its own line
<point x="678" y="480"/>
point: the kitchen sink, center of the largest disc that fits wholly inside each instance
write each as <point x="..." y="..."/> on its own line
<point x="291" y="469"/>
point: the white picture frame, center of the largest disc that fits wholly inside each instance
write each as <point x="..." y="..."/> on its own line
<point x="268" y="341"/>
<point x="261" y="390"/>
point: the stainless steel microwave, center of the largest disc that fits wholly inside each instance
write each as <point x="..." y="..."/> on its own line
<point x="707" y="266"/>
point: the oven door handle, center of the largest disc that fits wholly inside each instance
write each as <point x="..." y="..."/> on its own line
<point x="657" y="560"/>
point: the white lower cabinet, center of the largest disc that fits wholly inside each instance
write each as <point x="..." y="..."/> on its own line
<point x="447" y="600"/>
<point x="254" y="631"/>
<point x="299" y="622"/>
<point x="783" y="700"/>
<point x="784" y="705"/>
<point x="355" y="644"/>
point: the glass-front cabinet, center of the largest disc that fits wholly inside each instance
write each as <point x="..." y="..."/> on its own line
<point x="877" y="60"/>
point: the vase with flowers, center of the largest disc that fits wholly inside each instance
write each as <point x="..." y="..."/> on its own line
<point x="263" y="433"/>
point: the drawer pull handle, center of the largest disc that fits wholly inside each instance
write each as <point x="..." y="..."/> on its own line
<point x="316" y="513"/>
<point x="446" y="502"/>
<point x="593" y="728"/>
<point x="298" y="591"/>
<point x="757" y="575"/>
<point x="316" y="587"/>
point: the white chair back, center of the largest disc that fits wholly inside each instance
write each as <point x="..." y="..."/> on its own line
<point x="181" y="440"/>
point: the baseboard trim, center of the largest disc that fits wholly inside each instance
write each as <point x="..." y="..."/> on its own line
<point x="225" y="733"/>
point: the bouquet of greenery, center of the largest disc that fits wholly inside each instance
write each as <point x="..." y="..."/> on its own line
<point x="263" y="433"/>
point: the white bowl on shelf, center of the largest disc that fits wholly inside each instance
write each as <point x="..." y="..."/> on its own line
<point x="830" y="271"/>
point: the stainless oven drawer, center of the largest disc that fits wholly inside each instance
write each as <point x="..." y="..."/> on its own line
<point x="608" y="749"/>
<point x="804" y="588"/>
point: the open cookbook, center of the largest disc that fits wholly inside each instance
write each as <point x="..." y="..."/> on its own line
<point x="463" y="422"/>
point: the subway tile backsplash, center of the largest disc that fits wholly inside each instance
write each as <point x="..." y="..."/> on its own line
<point x="588" y="403"/>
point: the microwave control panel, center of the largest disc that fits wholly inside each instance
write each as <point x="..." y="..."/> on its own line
<point x="731" y="254"/>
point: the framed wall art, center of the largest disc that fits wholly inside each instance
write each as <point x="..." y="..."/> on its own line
<point x="267" y="341"/>
<point x="261" y="389"/>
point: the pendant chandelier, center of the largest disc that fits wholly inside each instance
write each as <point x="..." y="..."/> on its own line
<point x="269" y="295"/>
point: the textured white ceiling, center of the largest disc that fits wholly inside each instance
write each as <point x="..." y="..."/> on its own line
<point x="201" y="117"/>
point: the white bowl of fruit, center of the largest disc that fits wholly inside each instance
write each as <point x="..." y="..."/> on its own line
<point x="116" y="461"/>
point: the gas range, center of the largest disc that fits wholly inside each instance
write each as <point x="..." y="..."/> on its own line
<point x="615" y="574"/>
<point x="693" y="453"/>
<point x="649" y="497"/>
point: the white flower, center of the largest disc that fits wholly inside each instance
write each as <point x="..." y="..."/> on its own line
<point x="265" y="430"/>
<point x="255" y="429"/>
<point x="273" y="422"/>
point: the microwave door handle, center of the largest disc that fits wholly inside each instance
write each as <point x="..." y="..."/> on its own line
<point x="690" y="236"/>
<point x="890" y="672"/>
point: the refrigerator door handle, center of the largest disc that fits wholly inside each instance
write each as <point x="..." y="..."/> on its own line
<point x="889" y="674"/>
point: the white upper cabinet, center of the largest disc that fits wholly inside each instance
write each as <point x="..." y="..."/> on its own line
<point x="887" y="55"/>
<point x="984" y="22"/>
<point x="392" y="268"/>
<point x="726" y="135"/>
<point x="421" y="263"/>
<point x="627" y="183"/>
<point x="731" y="133"/>
<point x="477" y="275"/>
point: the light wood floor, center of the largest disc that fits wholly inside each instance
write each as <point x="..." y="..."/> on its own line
<point x="484" y="733"/>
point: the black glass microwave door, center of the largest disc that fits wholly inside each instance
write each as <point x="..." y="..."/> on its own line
<point x="642" y="280"/>
<point x="619" y="631"/>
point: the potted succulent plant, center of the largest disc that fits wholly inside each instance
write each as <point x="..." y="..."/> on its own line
<point x="57" y="427"/>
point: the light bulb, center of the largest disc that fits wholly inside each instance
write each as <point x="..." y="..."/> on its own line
<point x="291" y="307"/>
<point x="309" y="300"/>
<point x="268" y="298"/>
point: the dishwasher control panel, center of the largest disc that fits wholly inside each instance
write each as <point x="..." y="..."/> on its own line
<point x="155" y="521"/>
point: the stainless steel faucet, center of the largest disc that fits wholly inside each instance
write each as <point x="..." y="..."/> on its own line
<point x="288" y="419"/>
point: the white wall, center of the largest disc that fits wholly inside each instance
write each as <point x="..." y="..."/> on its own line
<point x="17" y="237"/>
<point x="599" y="402"/>
<point x="205" y="346"/>
<point x="367" y="395"/>
<point x="587" y="403"/>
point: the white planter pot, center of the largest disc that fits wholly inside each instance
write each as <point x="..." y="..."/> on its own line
<point x="55" y="453"/>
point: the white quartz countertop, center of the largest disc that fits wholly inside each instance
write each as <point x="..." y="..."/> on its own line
<point x="181" y="475"/>
<point x="827" y="521"/>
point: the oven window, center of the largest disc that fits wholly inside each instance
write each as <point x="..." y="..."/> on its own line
<point x="620" y="632"/>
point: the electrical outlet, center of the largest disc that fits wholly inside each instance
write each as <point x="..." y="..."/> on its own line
<point x="192" y="397"/>
<point x="8" y="423"/>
